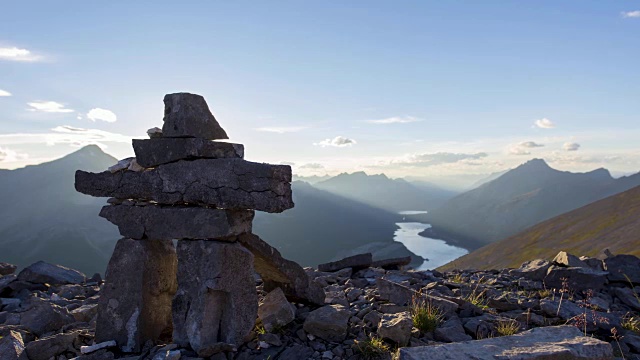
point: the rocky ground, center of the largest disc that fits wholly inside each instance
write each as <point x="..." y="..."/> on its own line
<point x="49" y="312"/>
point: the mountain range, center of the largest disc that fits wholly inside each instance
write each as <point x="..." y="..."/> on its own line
<point x="612" y="223"/>
<point x="518" y="199"/>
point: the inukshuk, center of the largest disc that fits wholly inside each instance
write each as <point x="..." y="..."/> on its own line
<point x="187" y="187"/>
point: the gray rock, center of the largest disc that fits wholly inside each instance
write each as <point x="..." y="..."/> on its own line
<point x="355" y="262"/>
<point x="216" y="299"/>
<point x="451" y="331"/>
<point x="535" y="270"/>
<point x="275" y="311"/>
<point x="278" y="272"/>
<point x="178" y="222"/>
<point x="567" y="260"/>
<point x="594" y="263"/>
<point x="85" y="312"/>
<point x="232" y="184"/>
<point x="402" y="295"/>
<point x="296" y="352"/>
<point x="52" y="346"/>
<point x="5" y="281"/>
<point x="154" y="152"/>
<point x="42" y="317"/>
<point x="187" y="115"/>
<point x="45" y="273"/>
<point x="135" y="302"/>
<point x="11" y="346"/>
<point x="98" y="346"/>
<point x="620" y="265"/>
<point x="392" y="264"/>
<point x="7" y="269"/>
<point x="578" y="278"/>
<point x="628" y="297"/>
<point x="554" y="342"/>
<point x="328" y="323"/>
<point x="154" y="133"/>
<point x="568" y="310"/>
<point x="396" y="327"/>
<point x="121" y="165"/>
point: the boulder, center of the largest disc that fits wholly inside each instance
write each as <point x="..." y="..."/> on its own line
<point x="154" y="133"/>
<point x="355" y="262"/>
<point x="577" y="278"/>
<point x="7" y="269"/>
<point x="232" y="184"/>
<point x="451" y="331"/>
<point x="52" y="346"/>
<point x="402" y="295"/>
<point x="178" y="222"/>
<point x="98" y="346"/>
<point x="553" y="342"/>
<point x="135" y="301"/>
<point x="278" y="272"/>
<point x="85" y="312"/>
<point x="45" y="273"/>
<point x="11" y="346"/>
<point x="628" y="297"/>
<point x="575" y="313"/>
<point x="5" y="282"/>
<point x="567" y="260"/>
<point x="275" y="311"/>
<point x="42" y="317"/>
<point x="392" y="264"/>
<point x="396" y="327"/>
<point x="216" y="299"/>
<point x="328" y="323"/>
<point x="296" y="352"/>
<point x="621" y="267"/>
<point x="535" y="270"/>
<point x="187" y="115"/>
<point x="154" y="152"/>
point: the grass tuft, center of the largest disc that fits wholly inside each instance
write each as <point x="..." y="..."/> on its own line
<point x="507" y="327"/>
<point x="372" y="348"/>
<point x="426" y="316"/>
<point x="631" y="323"/>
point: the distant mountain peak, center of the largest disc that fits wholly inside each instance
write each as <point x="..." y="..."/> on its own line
<point x="535" y="164"/>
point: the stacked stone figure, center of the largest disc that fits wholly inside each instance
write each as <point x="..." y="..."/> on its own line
<point x="183" y="185"/>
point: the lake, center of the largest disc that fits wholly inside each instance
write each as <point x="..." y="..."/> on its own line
<point x="438" y="252"/>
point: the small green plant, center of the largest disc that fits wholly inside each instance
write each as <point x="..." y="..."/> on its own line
<point x="372" y="348"/>
<point x="544" y="293"/>
<point x="631" y="323"/>
<point x="478" y="298"/>
<point x="506" y="327"/>
<point x="457" y="278"/>
<point x="426" y="316"/>
<point x="260" y="330"/>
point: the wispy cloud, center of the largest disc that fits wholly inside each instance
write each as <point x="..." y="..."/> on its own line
<point x="522" y="147"/>
<point x="571" y="146"/>
<point x="338" y="141"/>
<point x="434" y="159"/>
<point x="65" y="134"/>
<point x="394" y="120"/>
<point x="8" y="155"/>
<point x="530" y="144"/>
<point x="4" y="93"/>
<point x="544" y="123"/>
<point x="281" y="129"/>
<point x="49" y="107"/>
<point x="631" y="14"/>
<point x="102" y="115"/>
<point x="312" y="166"/>
<point x="17" y="54"/>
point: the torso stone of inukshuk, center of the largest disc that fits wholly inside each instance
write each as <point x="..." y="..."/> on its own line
<point x="203" y="193"/>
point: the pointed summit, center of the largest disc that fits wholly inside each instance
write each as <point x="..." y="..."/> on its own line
<point x="187" y="115"/>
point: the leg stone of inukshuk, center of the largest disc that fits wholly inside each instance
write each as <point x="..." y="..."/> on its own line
<point x="135" y="303"/>
<point x="216" y="302"/>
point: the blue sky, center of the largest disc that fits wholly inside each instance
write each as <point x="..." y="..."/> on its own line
<point x="409" y="88"/>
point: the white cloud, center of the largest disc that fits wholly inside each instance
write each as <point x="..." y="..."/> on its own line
<point x="394" y="120"/>
<point x="571" y="146"/>
<point x="314" y="166"/>
<point x="631" y="14"/>
<point x="17" y="54"/>
<point x="48" y="106"/>
<point x="544" y="123"/>
<point x="4" y="93"/>
<point x="65" y="134"/>
<point x="521" y="148"/>
<point x="282" y="129"/>
<point x="102" y="115"/>
<point x="530" y="144"/>
<point x="338" y="141"/>
<point x="439" y="158"/>
<point x="8" y="155"/>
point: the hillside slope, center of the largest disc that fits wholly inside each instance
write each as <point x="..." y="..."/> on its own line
<point x="612" y="223"/>
<point x="522" y="197"/>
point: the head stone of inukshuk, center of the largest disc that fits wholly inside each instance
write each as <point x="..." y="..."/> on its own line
<point x="184" y="186"/>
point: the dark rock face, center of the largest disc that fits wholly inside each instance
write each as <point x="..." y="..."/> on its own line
<point x="45" y="273"/>
<point x="535" y="270"/>
<point x="187" y="115"/>
<point x="176" y="222"/>
<point x="158" y="151"/>
<point x="46" y="348"/>
<point x="232" y="184"/>
<point x="622" y="266"/>
<point x="356" y="262"/>
<point x="7" y="269"/>
<point x="277" y="271"/>
<point x="328" y="322"/>
<point x="43" y="317"/>
<point x="216" y="300"/>
<point x="392" y="264"/>
<point x="11" y="346"/>
<point x="577" y="278"/>
<point x="135" y="304"/>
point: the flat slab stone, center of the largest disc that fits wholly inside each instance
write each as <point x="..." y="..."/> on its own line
<point x="216" y="300"/>
<point x="158" y="151"/>
<point x="356" y="262"/>
<point x="224" y="183"/>
<point x="187" y="115"/>
<point x="392" y="264"/>
<point x="135" y="302"/>
<point x="552" y="342"/>
<point x="278" y="272"/>
<point x="178" y="222"/>
<point x="45" y="273"/>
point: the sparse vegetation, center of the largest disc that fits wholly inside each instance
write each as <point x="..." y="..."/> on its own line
<point x="631" y="323"/>
<point x="426" y="316"/>
<point x="477" y="298"/>
<point x="506" y="327"/>
<point x="457" y="278"/>
<point x="372" y="348"/>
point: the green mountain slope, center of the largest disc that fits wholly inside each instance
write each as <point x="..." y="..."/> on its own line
<point x="612" y="223"/>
